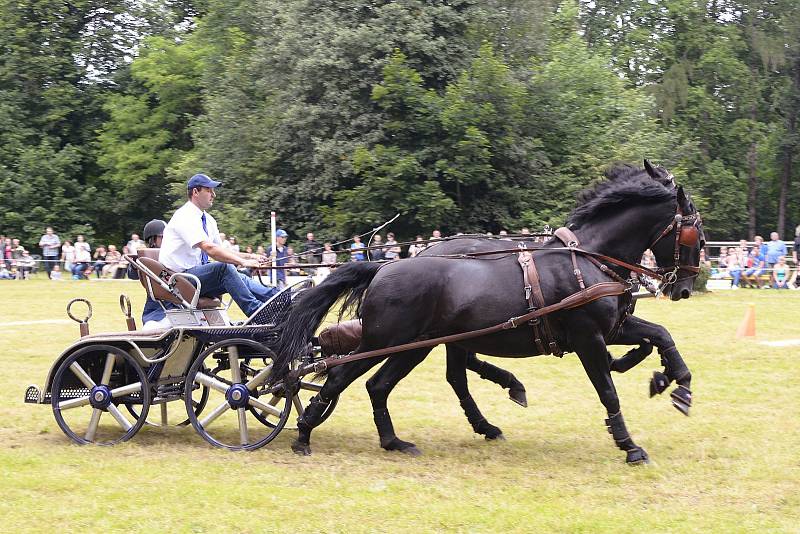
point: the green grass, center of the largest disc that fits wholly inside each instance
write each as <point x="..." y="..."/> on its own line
<point x="731" y="467"/>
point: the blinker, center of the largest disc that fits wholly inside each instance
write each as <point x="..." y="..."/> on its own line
<point x="689" y="236"/>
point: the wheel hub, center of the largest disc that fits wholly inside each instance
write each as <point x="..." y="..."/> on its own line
<point x="237" y="396"/>
<point x="100" y="397"/>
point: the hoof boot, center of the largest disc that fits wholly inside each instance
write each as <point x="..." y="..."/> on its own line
<point x="637" y="456"/>
<point x="658" y="383"/>
<point x="498" y="437"/>
<point x="302" y="449"/>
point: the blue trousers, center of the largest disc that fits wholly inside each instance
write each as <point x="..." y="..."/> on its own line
<point x="217" y="278"/>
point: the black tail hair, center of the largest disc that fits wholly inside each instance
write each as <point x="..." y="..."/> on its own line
<point x="348" y="282"/>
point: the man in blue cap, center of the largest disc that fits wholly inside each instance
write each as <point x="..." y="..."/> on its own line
<point x="192" y="237"/>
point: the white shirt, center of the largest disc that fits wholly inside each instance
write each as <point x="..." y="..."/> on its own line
<point x="82" y="252"/>
<point x="184" y="231"/>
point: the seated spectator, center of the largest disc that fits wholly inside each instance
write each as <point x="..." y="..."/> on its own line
<point x="122" y="266"/>
<point x="16" y="249"/>
<point x="113" y="258"/>
<point x="25" y="265"/>
<point x="68" y="256"/>
<point x="4" y="272"/>
<point x="55" y="274"/>
<point x="233" y="244"/>
<point x="754" y="269"/>
<point x="734" y="267"/>
<point x="83" y="259"/>
<point x="796" y="250"/>
<point x="135" y="243"/>
<point x="310" y="249"/>
<point x="100" y="256"/>
<point x="781" y="274"/>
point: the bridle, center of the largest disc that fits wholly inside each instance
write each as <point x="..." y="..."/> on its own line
<point x="687" y="234"/>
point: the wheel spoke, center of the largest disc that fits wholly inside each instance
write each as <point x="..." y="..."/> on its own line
<point x="264" y="407"/>
<point x="260" y="377"/>
<point x="82" y="375"/>
<point x="126" y="390"/>
<point x="121" y="419"/>
<point x="233" y="359"/>
<point x="219" y="410"/>
<point x="93" y="422"/>
<point x="211" y="382"/>
<point x="110" y="359"/>
<point x="73" y="403"/>
<point x="243" y="437"/>
<point x="298" y="405"/>
<point x="310" y="386"/>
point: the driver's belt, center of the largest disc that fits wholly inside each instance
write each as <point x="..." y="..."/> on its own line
<point x="542" y="333"/>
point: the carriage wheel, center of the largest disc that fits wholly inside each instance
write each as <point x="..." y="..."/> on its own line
<point x="307" y="388"/>
<point x="88" y="389"/>
<point x="235" y="371"/>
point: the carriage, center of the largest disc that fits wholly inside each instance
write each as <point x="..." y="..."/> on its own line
<point x="105" y="387"/>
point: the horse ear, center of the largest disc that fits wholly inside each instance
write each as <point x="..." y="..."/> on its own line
<point x="650" y="170"/>
<point x="683" y="201"/>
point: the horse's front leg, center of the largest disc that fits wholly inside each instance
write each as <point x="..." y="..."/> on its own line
<point x="636" y="330"/>
<point x="457" y="361"/>
<point x="592" y="352"/>
<point x="505" y="379"/>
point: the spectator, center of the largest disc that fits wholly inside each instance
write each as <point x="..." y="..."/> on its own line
<point x="525" y="231"/>
<point x="796" y="251"/>
<point x="328" y="255"/>
<point x="25" y="265"/>
<point x="281" y="252"/>
<point x="356" y="249"/>
<point x="416" y="247"/>
<point x="775" y="249"/>
<point x="16" y="250"/>
<point x="55" y="274"/>
<point x="762" y="247"/>
<point x="122" y="266"/>
<point x="113" y="258"/>
<point x="291" y="259"/>
<point x="4" y="274"/>
<point x="751" y="277"/>
<point x="392" y="248"/>
<point x="436" y="234"/>
<point x="7" y="252"/>
<point x="83" y="259"/>
<point x="51" y="249"/>
<point x="68" y="256"/>
<point x="377" y="254"/>
<point x="311" y="249"/>
<point x="781" y="274"/>
<point x="233" y="245"/>
<point x="134" y="244"/>
<point x="100" y="256"/>
<point x="734" y="267"/>
<point x="224" y="243"/>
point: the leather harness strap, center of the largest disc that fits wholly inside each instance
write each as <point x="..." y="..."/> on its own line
<point x="542" y="334"/>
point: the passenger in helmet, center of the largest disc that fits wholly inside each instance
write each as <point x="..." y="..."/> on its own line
<point x="153" y="315"/>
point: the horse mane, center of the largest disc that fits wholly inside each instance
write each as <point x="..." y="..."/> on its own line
<point x="624" y="184"/>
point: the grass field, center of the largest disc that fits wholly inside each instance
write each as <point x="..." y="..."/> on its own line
<point x="731" y="467"/>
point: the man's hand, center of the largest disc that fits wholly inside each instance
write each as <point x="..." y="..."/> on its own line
<point x="253" y="264"/>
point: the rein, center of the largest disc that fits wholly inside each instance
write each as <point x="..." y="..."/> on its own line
<point x="584" y="296"/>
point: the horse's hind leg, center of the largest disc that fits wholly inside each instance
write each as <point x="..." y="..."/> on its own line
<point x="381" y="385"/>
<point x="592" y="353"/>
<point x="457" y="378"/>
<point x="505" y="379"/>
<point x="634" y="330"/>
<point x="337" y="381"/>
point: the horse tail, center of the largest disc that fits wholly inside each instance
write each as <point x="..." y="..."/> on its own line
<point x="348" y="283"/>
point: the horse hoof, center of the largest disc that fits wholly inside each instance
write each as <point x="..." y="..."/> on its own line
<point x="302" y="449"/>
<point x="682" y="399"/>
<point x="658" y="383"/>
<point x="411" y="451"/>
<point x="637" y="456"/>
<point x="498" y="437"/>
<point x="518" y="396"/>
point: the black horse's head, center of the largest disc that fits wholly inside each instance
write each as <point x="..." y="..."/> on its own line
<point x="677" y="247"/>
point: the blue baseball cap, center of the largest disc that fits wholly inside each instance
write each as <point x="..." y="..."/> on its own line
<point x="201" y="180"/>
<point x="281" y="233"/>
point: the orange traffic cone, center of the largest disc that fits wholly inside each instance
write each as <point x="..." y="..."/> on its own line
<point x="747" y="328"/>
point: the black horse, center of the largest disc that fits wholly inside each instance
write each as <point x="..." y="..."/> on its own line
<point x="428" y="297"/>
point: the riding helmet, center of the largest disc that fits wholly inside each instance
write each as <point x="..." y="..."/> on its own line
<point x="154" y="228"/>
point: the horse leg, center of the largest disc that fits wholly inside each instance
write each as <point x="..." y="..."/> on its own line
<point x="634" y="330"/>
<point x="505" y="379"/>
<point x="457" y="378"/>
<point x="337" y="381"/>
<point x="592" y="354"/>
<point x="380" y="385"/>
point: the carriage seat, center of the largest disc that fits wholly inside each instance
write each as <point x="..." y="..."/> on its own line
<point x="148" y="257"/>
